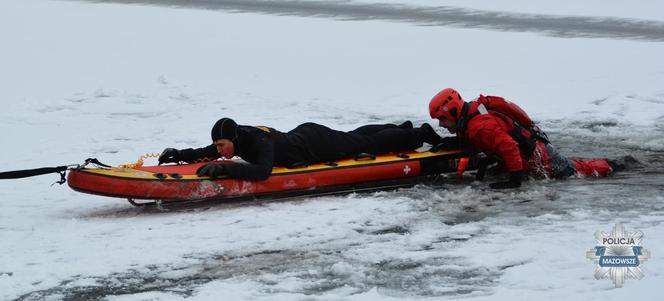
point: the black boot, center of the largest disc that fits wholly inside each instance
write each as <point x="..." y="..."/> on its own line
<point x="623" y="163"/>
<point x="429" y="134"/>
<point x="406" y="125"/>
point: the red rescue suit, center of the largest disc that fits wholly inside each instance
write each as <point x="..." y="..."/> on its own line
<point x="492" y="133"/>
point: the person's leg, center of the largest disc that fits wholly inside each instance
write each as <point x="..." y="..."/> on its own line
<point x="564" y="167"/>
<point x="372" y="129"/>
<point x="561" y="166"/>
<point x="375" y="128"/>
<point x="546" y="162"/>
<point x="592" y="167"/>
<point x="539" y="164"/>
<point x="400" y="139"/>
<point x="326" y="144"/>
<point x="396" y="140"/>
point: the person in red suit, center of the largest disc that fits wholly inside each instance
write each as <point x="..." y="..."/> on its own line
<point x="502" y="130"/>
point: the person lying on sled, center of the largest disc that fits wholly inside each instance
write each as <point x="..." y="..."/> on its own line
<point x="309" y="143"/>
<point x="499" y="128"/>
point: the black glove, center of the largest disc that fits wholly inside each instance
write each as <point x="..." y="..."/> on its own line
<point x="170" y="155"/>
<point x="212" y="170"/>
<point x="481" y="169"/>
<point x="514" y="182"/>
<point x="483" y="162"/>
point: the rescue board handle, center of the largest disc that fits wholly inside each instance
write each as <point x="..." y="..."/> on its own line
<point x="365" y="157"/>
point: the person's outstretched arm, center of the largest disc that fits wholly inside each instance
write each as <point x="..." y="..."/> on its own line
<point x="189" y="155"/>
<point x="260" y="157"/>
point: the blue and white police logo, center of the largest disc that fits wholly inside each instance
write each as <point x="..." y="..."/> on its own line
<point x="618" y="255"/>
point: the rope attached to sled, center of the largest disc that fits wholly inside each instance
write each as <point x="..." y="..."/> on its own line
<point x="16" y="174"/>
<point x="139" y="163"/>
<point x="62" y="170"/>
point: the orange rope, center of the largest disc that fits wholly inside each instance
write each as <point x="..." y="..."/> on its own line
<point x="139" y="162"/>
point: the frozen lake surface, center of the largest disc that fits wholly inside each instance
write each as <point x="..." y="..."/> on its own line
<point x="112" y="81"/>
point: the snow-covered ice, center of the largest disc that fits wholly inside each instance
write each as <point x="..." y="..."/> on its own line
<point x="114" y="81"/>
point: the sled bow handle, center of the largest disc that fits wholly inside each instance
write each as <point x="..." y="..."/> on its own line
<point x="95" y="162"/>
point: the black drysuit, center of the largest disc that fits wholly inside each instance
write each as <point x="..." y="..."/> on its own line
<point x="308" y="143"/>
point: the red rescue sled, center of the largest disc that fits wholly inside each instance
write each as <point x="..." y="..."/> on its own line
<point x="180" y="182"/>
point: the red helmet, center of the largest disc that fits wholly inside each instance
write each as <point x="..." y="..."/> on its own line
<point x="447" y="104"/>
